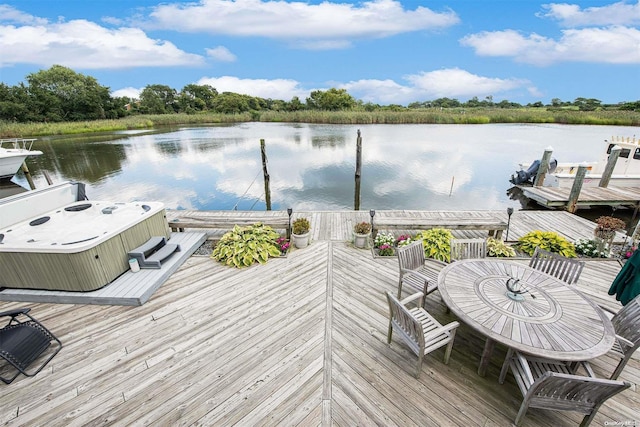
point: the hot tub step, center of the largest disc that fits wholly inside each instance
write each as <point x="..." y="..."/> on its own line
<point x="156" y="259"/>
<point x="149" y="247"/>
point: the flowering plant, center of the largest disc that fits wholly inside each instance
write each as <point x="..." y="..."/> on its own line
<point x="383" y="238"/>
<point x="385" y="250"/>
<point x="362" y="228"/>
<point x="627" y="254"/>
<point x="590" y="248"/>
<point x="283" y="244"/>
<point x="403" y="240"/>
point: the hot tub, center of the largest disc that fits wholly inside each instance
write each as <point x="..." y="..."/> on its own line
<point x="82" y="246"/>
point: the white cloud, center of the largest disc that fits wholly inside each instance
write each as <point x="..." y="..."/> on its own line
<point x="299" y="22"/>
<point x="571" y="15"/>
<point x="12" y="15"/>
<point x="283" y="89"/>
<point x="451" y="83"/>
<point x="613" y="45"/>
<point x="221" y="53"/>
<point x="130" y="92"/>
<point x="86" y="45"/>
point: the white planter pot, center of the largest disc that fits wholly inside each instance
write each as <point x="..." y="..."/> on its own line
<point x="360" y="240"/>
<point x="300" y="240"/>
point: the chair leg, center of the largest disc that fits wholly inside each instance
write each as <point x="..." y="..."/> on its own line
<point x="390" y="332"/>
<point x="618" y="370"/>
<point x="447" y="352"/>
<point x="523" y="410"/>
<point x="505" y="366"/>
<point x="419" y="366"/>
<point x="400" y="288"/>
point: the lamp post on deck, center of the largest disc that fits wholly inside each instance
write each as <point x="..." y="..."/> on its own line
<point x="509" y="213"/>
<point x="372" y="213"/>
<point x="289" y="212"/>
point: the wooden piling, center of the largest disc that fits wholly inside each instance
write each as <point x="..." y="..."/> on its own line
<point x="544" y="167"/>
<point x="27" y="175"/>
<point x="265" y="172"/>
<point x="611" y="163"/>
<point x="572" y="205"/>
<point x="356" y="203"/>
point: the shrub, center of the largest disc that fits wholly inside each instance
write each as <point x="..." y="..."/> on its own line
<point x="547" y="240"/>
<point x="436" y="243"/>
<point x="590" y="248"/>
<point x="243" y="246"/>
<point x="301" y="226"/>
<point x="498" y="248"/>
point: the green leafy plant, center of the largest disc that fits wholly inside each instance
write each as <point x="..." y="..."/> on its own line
<point x="383" y="238"/>
<point x="301" y="226"/>
<point x="436" y="243"/>
<point x="243" y="246"/>
<point x="547" y="240"/>
<point x="590" y="248"/>
<point x="498" y="248"/>
<point x="362" y="228"/>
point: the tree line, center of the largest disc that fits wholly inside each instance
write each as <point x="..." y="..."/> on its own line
<point x="59" y="94"/>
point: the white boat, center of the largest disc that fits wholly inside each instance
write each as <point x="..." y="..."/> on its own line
<point x="13" y="152"/>
<point x="626" y="172"/>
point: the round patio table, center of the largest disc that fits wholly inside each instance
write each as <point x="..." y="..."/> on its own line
<point x="534" y="313"/>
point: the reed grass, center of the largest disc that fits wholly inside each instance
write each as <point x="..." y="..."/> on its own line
<point x="406" y="116"/>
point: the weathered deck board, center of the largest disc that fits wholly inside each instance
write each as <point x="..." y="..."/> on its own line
<point x="298" y="341"/>
<point x="589" y="196"/>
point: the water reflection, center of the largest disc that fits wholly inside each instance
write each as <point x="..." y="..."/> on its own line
<point x="312" y="167"/>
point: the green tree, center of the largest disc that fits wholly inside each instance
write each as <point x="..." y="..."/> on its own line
<point x="158" y="99"/>
<point x="332" y="100"/>
<point x="197" y="97"/>
<point x="230" y="103"/>
<point x="60" y="93"/>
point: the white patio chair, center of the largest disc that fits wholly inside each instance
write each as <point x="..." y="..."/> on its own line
<point x="417" y="273"/>
<point x="549" y="384"/>
<point x="626" y="323"/>
<point x="563" y="268"/>
<point x="419" y="329"/>
<point x="468" y="249"/>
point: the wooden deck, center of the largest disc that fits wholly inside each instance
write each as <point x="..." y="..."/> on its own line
<point x="554" y="197"/>
<point x="300" y="340"/>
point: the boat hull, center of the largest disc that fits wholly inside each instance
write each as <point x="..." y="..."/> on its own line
<point x="9" y="165"/>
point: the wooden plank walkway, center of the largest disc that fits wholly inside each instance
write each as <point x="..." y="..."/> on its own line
<point x="300" y="340"/>
<point x="554" y="197"/>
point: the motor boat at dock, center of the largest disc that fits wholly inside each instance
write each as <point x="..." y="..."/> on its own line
<point x="626" y="172"/>
<point x="13" y="152"/>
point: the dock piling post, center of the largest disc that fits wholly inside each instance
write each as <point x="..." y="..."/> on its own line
<point x="27" y="175"/>
<point x="572" y="204"/>
<point x="611" y="163"/>
<point x="267" y="191"/>
<point x="544" y="167"/>
<point x="356" y="202"/>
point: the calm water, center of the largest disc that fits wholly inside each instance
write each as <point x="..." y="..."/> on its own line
<point x="312" y="167"/>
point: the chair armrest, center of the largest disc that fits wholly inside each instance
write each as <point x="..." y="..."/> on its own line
<point x="443" y="329"/>
<point x="411" y="298"/>
<point x="607" y="309"/>
<point x="435" y="261"/>
<point x="14" y="313"/>
<point x="625" y="341"/>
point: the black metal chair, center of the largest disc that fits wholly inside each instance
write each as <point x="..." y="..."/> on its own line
<point x="22" y="341"/>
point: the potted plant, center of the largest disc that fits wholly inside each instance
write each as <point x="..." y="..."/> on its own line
<point x="605" y="231"/>
<point x="384" y="244"/>
<point x="300" y="232"/>
<point x="361" y="232"/>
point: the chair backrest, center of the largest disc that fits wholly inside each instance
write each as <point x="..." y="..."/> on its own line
<point x="627" y="325"/>
<point x="565" y="392"/>
<point x="410" y="327"/>
<point x="565" y="269"/>
<point x="411" y="257"/>
<point x="468" y="248"/>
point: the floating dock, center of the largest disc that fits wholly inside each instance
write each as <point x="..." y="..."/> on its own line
<point x="558" y="197"/>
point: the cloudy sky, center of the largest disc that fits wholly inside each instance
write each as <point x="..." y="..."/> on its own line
<point x="380" y="51"/>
